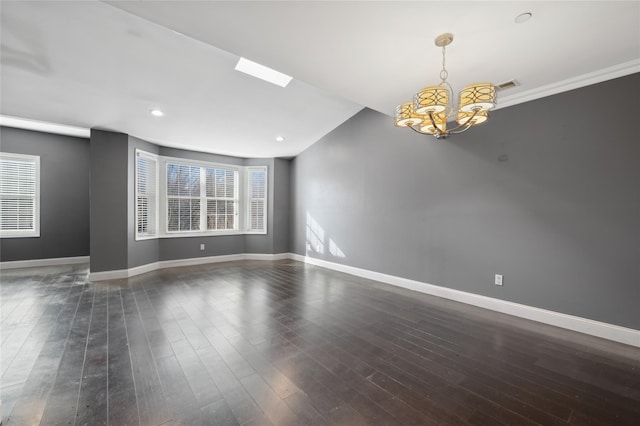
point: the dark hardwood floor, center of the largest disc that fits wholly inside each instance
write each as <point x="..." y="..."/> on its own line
<point x="283" y="343"/>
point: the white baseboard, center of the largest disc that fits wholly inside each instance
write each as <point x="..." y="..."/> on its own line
<point x="127" y="273"/>
<point x="34" y="263"/>
<point x="199" y="261"/>
<point x="583" y="325"/>
<point x="259" y="256"/>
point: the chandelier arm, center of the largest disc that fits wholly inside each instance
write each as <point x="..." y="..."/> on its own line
<point x="449" y="110"/>
<point x="416" y="130"/>
<point x="432" y="120"/>
<point x="439" y="131"/>
<point x="456" y="131"/>
<point x="466" y="124"/>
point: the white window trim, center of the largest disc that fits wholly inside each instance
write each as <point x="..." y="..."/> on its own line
<point x="36" y="231"/>
<point x="154" y="157"/>
<point x="161" y="199"/>
<point x="247" y="209"/>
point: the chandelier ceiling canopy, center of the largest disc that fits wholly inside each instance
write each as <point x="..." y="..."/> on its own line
<point x="433" y="106"/>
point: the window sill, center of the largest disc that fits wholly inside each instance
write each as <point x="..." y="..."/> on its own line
<point x="199" y="234"/>
<point x="20" y="235"/>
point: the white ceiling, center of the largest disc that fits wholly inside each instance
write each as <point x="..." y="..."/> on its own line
<point x="105" y="65"/>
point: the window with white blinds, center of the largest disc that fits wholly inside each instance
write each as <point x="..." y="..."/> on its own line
<point x="183" y="197"/>
<point x="222" y="199"/>
<point x="19" y="195"/>
<point x="146" y="195"/>
<point x="178" y="197"/>
<point x="257" y="199"/>
<point x="201" y="198"/>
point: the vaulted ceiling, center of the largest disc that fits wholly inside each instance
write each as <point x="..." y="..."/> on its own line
<point x="107" y="64"/>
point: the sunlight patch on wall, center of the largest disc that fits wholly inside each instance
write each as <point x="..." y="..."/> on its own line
<point x="315" y="236"/>
<point x="334" y="250"/>
<point x="317" y="240"/>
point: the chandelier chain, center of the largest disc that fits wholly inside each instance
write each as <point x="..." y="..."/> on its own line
<point x="444" y="74"/>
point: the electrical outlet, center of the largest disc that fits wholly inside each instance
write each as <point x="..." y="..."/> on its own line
<point x="201" y="247"/>
<point x="498" y="280"/>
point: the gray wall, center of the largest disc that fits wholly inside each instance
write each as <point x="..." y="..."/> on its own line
<point x="546" y="193"/>
<point x="282" y="205"/>
<point x="64" y="195"/>
<point x="109" y="200"/>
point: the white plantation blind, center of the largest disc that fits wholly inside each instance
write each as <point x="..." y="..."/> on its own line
<point x="257" y="199"/>
<point x="19" y="195"/>
<point x="183" y="197"/>
<point x="146" y="195"/>
<point x="222" y="198"/>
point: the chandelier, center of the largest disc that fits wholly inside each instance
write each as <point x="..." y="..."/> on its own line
<point x="431" y="107"/>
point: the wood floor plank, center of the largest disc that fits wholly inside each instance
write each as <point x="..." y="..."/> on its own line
<point x="151" y="400"/>
<point x="62" y="401"/>
<point x="121" y="393"/>
<point x="92" y="399"/>
<point x="30" y="404"/>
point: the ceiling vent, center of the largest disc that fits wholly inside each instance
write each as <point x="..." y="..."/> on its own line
<point x="507" y="85"/>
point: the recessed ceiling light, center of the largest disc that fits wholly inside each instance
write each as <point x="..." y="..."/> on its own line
<point x="264" y="73"/>
<point x="156" y="112"/>
<point x="523" y="17"/>
<point x="280" y="138"/>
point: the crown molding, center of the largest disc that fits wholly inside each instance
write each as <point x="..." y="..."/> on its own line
<point x="43" y="126"/>
<point x="616" y="71"/>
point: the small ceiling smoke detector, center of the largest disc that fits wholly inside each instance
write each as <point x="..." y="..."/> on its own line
<point x="156" y="112"/>
<point x="507" y="85"/>
<point x="280" y="138"/>
<point x="523" y="17"/>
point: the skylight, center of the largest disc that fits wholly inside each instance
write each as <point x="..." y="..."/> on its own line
<point x="264" y="73"/>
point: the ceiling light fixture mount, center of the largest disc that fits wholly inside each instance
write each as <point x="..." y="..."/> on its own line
<point x="523" y="17"/>
<point x="432" y="106"/>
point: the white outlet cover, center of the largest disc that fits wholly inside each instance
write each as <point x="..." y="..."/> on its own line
<point x="498" y="280"/>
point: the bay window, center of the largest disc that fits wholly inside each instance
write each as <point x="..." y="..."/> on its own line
<point x="199" y="198"/>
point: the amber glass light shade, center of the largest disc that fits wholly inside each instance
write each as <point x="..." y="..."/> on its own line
<point x="431" y="99"/>
<point x="480" y="117"/>
<point x="481" y="96"/>
<point x="428" y="127"/>
<point x="405" y="116"/>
